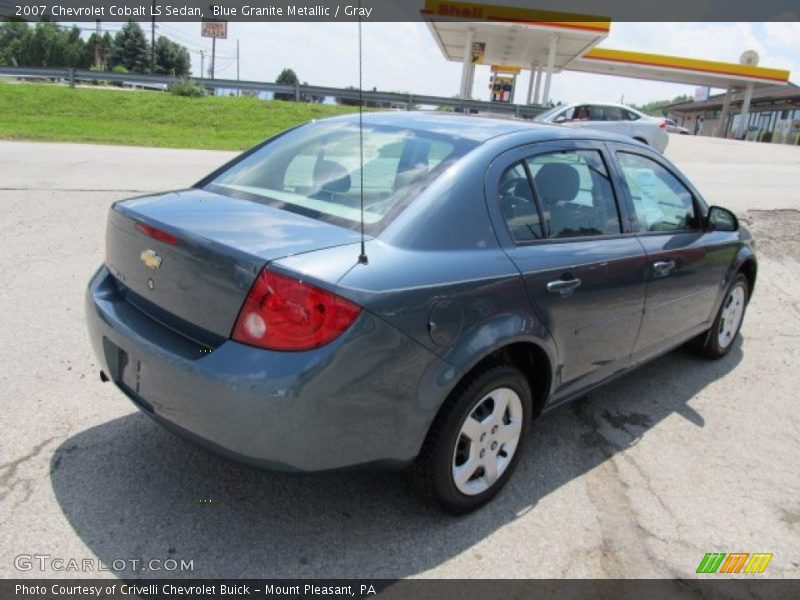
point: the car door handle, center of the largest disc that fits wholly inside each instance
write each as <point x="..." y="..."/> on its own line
<point x="664" y="265"/>
<point x="563" y="285"/>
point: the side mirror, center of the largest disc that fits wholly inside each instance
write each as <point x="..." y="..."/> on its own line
<point x="721" y="219"/>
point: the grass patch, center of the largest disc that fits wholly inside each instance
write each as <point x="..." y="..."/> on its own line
<point x="57" y="113"/>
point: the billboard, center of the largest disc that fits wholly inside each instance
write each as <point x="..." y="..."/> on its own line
<point x="214" y="29"/>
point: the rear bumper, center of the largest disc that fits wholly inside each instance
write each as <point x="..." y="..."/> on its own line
<point x="365" y="399"/>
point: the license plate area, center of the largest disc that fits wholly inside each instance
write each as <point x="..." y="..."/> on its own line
<point x="125" y="371"/>
<point x="117" y="360"/>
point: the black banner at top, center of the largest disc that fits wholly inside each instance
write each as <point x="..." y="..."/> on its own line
<point x="514" y="11"/>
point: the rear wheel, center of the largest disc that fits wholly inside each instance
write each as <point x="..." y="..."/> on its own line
<point x="475" y="441"/>
<point x="718" y="341"/>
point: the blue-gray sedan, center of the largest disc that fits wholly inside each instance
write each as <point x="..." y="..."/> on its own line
<point x="507" y="268"/>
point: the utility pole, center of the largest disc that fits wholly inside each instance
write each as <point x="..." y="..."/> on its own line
<point x="238" y="90"/>
<point x="213" y="55"/>
<point x="153" y="39"/>
<point x="98" y="40"/>
<point x="202" y="56"/>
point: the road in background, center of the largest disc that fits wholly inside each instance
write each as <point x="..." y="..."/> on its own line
<point x="36" y="166"/>
<point x="740" y="175"/>
<point x="641" y="479"/>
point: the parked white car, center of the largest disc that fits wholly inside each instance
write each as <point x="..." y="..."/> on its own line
<point x="673" y="127"/>
<point x="616" y="118"/>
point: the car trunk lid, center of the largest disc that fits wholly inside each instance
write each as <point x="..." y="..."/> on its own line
<point x="189" y="258"/>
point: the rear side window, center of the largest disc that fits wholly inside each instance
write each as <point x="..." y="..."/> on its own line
<point x="660" y="201"/>
<point x="316" y="171"/>
<point x="575" y="193"/>
<point x="518" y="206"/>
<point x="605" y="113"/>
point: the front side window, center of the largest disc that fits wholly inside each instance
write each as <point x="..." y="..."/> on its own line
<point x="575" y="193"/>
<point x="660" y="201"/>
<point x="316" y="171"/>
<point x="556" y="113"/>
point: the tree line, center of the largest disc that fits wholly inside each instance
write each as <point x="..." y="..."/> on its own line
<point x="49" y="45"/>
<point x="657" y="108"/>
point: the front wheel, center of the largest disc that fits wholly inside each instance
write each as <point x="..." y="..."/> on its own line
<point x="718" y="341"/>
<point x="475" y="441"/>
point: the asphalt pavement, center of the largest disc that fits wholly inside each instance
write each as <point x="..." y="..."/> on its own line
<point x="640" y="479"/>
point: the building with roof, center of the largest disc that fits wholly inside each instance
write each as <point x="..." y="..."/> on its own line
<point x="769" y="105"/>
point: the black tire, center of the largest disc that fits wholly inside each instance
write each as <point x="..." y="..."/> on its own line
<point x="708" y="344"/>
<point x="432" y="473"/>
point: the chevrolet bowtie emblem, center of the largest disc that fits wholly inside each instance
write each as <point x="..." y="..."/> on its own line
<point x="150" y="259"/>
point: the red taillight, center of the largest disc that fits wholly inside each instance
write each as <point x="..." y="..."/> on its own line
<point x="161" y="236"/>
<point x="281" y="313"/>
<point x="662" y="125"/>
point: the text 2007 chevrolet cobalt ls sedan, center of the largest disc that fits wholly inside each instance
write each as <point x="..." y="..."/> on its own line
<point x="509" y="268"/>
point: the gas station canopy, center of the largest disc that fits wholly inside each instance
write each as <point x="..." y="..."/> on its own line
<point x="518" y="44"/>
<point x="547" y="42"/>
<point x="675" y="69"/>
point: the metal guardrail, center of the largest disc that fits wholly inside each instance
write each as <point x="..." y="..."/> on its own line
<point x="299" y="91"/>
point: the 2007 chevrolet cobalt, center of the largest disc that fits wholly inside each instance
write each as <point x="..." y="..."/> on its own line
<point x="508" y="267"/>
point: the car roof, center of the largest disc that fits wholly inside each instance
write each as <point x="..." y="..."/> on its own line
<point x="476" y="128"/>
<point x="615" y="104"/>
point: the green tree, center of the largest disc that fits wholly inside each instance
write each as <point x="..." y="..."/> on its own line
<point x="171" y="58"/>
<point x="11" y="36"/>
<point x="656" y="107"/>
<point x="45" y="45"/>
<point x="106" y="45"/>
<point x="130" y="49"/>
<point x="286" y="77"/>
<point x="69" y="48"/>
<point x="50" y="45"/>
<point x="37" y="47"/>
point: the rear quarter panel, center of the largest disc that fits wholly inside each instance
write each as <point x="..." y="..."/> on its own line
<point x="439" y="274"/>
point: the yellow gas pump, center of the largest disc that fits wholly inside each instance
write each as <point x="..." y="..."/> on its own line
<point x="502" y="82"/>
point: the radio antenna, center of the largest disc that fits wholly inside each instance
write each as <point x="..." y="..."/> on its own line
<point x="362" y="258"/>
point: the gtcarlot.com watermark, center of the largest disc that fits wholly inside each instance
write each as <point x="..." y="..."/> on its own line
<point x="59" y="564"/>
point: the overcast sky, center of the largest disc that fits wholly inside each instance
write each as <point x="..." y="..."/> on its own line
<point x="404" y="56"/>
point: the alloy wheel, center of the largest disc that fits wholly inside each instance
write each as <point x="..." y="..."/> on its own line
<point x="731" y="318"/>
<point x="487" y="441"/>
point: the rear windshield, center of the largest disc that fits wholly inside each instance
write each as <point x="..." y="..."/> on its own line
<point x="315" y="170"/>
